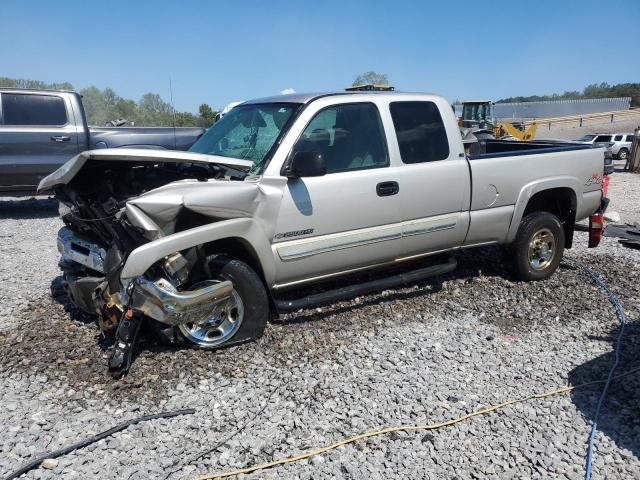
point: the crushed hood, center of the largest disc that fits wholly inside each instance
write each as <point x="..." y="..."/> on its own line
<point x="157" y="210"/>
<point x="70" y="169"/>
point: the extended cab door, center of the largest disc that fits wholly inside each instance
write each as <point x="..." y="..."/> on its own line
<point x="348" y="218"/>
<point x="434" y="178"/>
<point x="37" y="135"/>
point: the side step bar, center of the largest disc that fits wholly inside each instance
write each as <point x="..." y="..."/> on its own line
<point x="330" y="296"/>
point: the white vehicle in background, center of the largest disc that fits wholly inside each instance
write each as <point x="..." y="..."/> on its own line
<point x="618" y="143"/>
<point x="622" y="145"/>
<point x="602" y="139"/>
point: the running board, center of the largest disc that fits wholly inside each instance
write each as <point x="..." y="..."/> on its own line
<point x="330" y="296"/>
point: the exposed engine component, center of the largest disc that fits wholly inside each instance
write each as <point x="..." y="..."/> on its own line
<point x="79" y="249"/>
<point x="177" y="267"/>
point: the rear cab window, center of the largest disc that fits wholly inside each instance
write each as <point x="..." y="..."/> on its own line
<point x="22" y="109"/>
<point x="420" y="131"/>
<point x="617" y="138"/>
<point x="629" y="138"/>
<point x="602" y="138"/>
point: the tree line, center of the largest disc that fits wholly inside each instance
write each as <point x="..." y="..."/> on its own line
<point x="151" y="110"/>
<point x="595" y="90"/>
<point x="102" y="106"/>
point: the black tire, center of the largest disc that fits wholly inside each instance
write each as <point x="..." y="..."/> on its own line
<point x="623" y="154"/>
<point x="537" y="229"/>
<point x="250" y="289"/>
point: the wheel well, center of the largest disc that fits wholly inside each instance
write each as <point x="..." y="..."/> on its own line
<point x="242" y="250"/>
<point x="236" y="248"/>
<point x="559" y="201"/>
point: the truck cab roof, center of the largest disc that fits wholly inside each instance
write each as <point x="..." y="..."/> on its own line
<point x="310" y="97"/>
<point x="36" y="90"/>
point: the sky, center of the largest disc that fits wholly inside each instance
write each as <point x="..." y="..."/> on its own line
<point x="217" y="52"/>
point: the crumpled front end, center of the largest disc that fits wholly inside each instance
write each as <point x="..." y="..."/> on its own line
<point x="158" y="298"/>
<point x="110" y="207"/>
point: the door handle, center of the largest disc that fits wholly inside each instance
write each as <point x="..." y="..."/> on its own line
<point x="386" y="189"/>
<point x="60" y="138"/>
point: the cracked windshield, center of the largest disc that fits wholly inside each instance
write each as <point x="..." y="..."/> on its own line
<point x="247" y="132"/>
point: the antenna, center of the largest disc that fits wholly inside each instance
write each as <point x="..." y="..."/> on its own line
<point x="173" y="110"/>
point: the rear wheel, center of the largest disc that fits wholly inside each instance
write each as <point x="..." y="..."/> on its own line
<point x="623" y="154"/>
<point x="240" y="318"/>
<point x="537" y="250"/>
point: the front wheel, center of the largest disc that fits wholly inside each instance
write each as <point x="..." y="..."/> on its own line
<point x="537" y="249"/>
<point x="239" y="319"/>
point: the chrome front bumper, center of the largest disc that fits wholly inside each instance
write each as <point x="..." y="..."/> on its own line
<point x="161" y="301"/>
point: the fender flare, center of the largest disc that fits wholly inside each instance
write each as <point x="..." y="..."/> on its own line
<point x="537" y="186"/>
<point x="140" y="259"/>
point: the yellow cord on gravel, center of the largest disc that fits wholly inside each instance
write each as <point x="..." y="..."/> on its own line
<point x="384" y="431"/>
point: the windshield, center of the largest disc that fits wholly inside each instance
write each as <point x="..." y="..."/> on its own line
<point x="478" y="112"/>
<point x="247" y="132"/>
<point x="586" y="138"/>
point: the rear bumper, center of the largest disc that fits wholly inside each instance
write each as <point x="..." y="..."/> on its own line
<point x="596" y="223"/>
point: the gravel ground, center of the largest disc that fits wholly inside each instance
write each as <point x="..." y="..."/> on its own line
<point x="624" y="192"/>
<point x="420" y="354"/>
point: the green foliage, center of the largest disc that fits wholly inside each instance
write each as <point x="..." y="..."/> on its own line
<point x="207" y="115"/>
<point x="102" y="106"/>
<point x="371" y="77"/>
<point x="595" y="90"/>
<point x="22" y="83"/>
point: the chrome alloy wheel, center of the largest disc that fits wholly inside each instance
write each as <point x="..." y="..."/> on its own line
<point x="220" y="325"/>
<point x="542" y="248"/>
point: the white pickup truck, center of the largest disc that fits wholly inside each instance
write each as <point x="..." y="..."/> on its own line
<point x="293" y="190"/>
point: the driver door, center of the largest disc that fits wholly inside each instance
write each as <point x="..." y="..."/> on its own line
<point x="348" y="218"/>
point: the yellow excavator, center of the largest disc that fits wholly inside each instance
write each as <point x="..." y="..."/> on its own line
<point x="478" y="115"/>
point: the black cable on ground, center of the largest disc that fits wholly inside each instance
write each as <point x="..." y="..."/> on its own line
<point x="88" y="441"/>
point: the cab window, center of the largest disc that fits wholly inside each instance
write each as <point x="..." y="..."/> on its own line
<point x="420" y="130"/>
<point x="349" y="137"/>
<point x="24" y="109"/>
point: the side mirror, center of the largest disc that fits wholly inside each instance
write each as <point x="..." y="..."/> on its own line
<point x="305" y="164"/>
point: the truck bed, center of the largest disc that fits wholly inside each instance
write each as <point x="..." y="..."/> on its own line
<point x="506" y="148"/>
<point x="144" y="137"/>
<point x="509" y="173"/>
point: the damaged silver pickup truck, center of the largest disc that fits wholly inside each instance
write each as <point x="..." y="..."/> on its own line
<point x="293" y="190"/>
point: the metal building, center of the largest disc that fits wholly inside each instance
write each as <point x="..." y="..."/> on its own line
<point x="555" y="108"/>
<point x="559" y="108"/>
